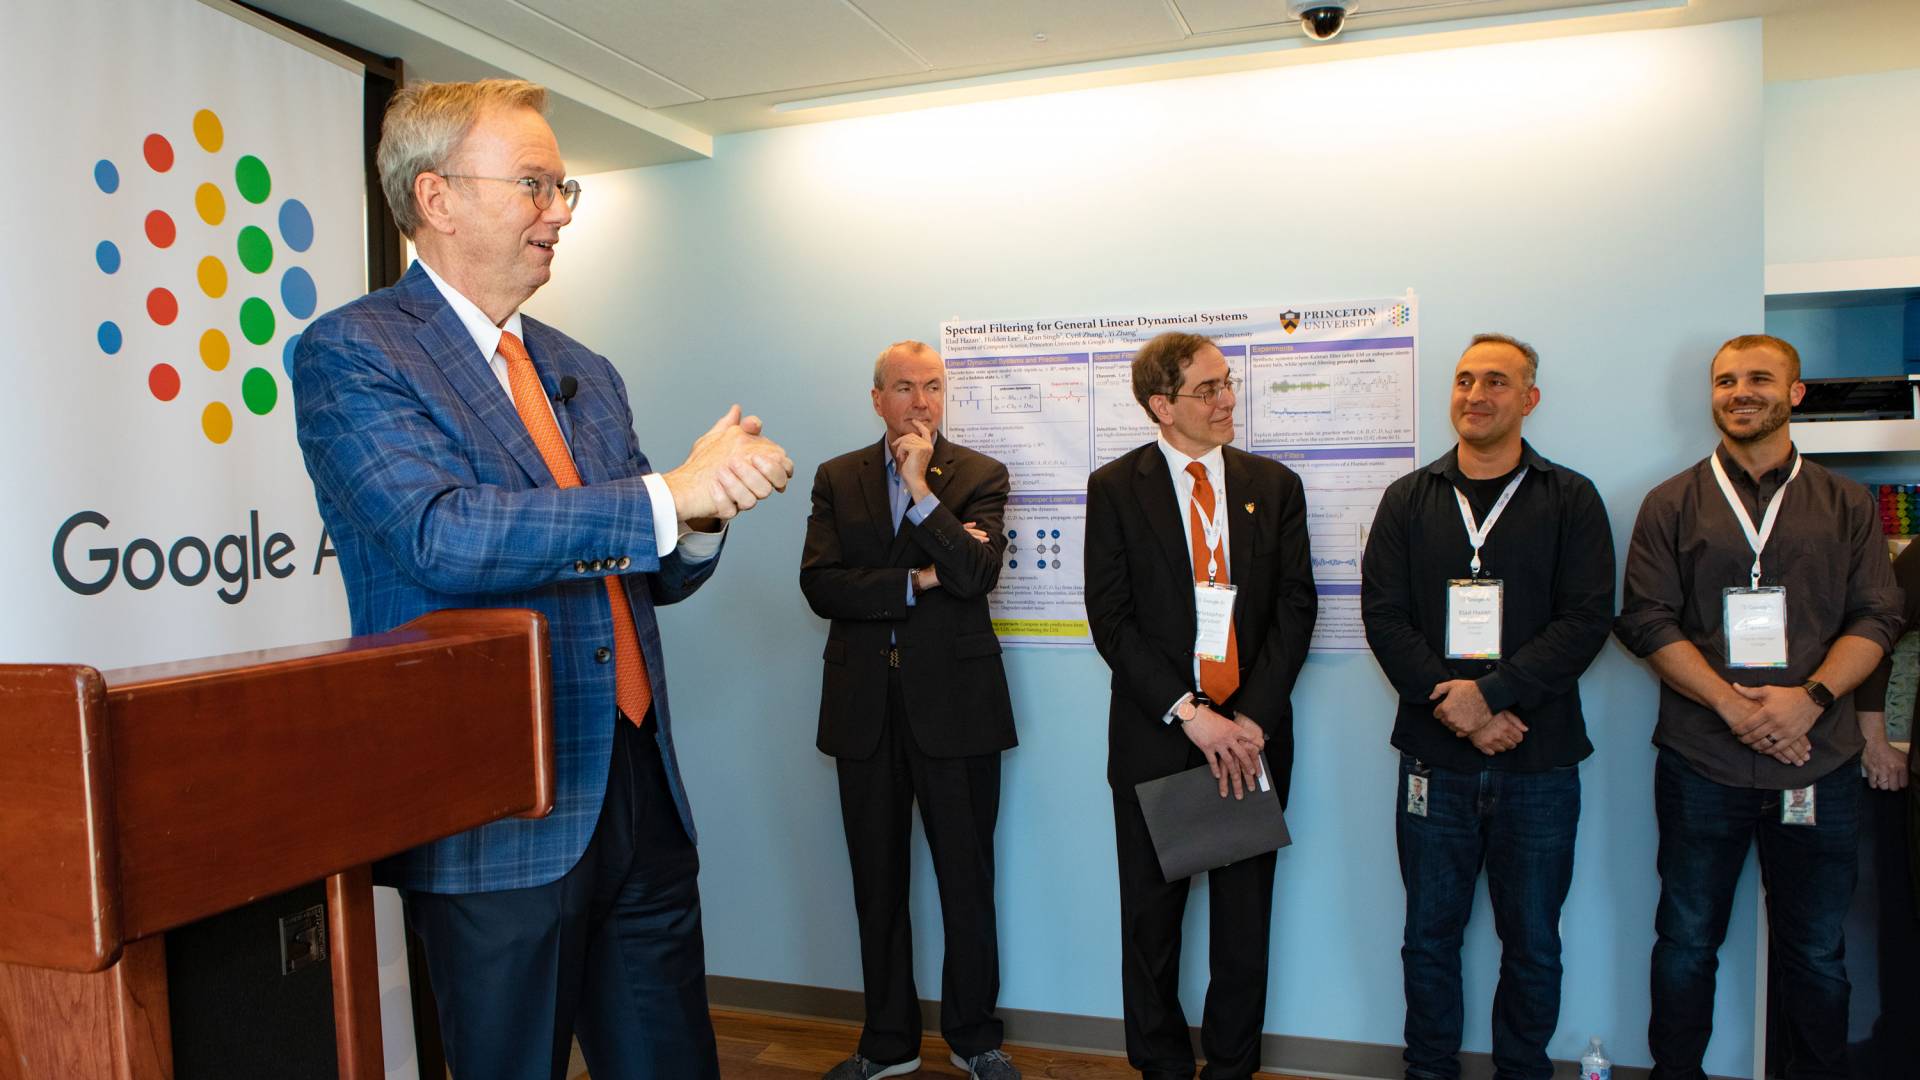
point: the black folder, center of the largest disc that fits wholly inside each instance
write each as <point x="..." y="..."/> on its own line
<point x="1194" y="829"/>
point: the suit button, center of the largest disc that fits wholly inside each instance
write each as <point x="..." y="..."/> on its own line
<point x="579" y="566"/>
<point x="594" y="565"/>
<point x="602" y="654"/>
<point x="625" y="561"/>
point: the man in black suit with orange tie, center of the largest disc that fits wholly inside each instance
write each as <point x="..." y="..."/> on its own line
<point x="1170" y="527"/>
<point x="903" y="545"/>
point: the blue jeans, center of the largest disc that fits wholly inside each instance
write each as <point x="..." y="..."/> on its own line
<point x="1808" y="872"/>
<point x="1520" y="826"/>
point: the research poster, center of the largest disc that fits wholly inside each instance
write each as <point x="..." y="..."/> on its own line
<point x="1325" y="387"/>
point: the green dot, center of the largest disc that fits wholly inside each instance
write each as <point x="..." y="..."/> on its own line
<point x="250" y="176"/>
<point x="259" y="391"/>
<point x="256" y="321"/>
<point x="256" y="251"/>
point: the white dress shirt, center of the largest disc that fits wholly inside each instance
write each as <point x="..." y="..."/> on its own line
<point x="1215" y="462"/>
<point x="667" y="533"/>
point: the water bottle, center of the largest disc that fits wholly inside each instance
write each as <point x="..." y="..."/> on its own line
<point x="1594" y="1064"/>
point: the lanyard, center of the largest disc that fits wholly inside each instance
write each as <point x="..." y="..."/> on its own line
<point x="1756" y="539"/>
<point x="1477" y="533"/>
<point x="1212" y="528"/>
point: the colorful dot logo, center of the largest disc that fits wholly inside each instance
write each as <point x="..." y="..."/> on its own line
<point x="1401" y="315"/>
<point x="234" y="248"/>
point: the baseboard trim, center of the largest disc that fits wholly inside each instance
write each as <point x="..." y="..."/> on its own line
<point x="1298" y="1055"/>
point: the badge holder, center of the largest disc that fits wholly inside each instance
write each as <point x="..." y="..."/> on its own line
<point x="1754" y="621"/>
<point x="1796" y="806"/>
<point x="1475" y="607"/>
<point x="1212" y="619"/>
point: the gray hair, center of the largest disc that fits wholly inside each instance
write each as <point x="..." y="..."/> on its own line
<point x="1527" y="351"/>
<point x="880" y="362"/>
<point x="425" y="125"/>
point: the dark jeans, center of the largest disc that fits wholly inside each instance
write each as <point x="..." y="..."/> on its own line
<point x="1808" y="872"/>
<point x="611" y="952"/>
<point x="1520" y="826"/>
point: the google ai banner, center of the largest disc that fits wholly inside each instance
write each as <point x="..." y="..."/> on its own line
<point x="189" y="195"/>
<point x="1325" y="387"/>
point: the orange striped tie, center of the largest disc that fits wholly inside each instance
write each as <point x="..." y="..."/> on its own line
<point x="631" y="690"/>
<point x="1218" y="678"/>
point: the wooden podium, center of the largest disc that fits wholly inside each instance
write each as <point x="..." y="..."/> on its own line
<point x="136" y="801"/>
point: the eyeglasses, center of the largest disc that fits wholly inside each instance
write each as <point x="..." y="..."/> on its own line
<point x="1209" y="391"/>
<point x="538" y="188"/>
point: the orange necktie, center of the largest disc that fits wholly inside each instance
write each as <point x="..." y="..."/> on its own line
<point x="631" y="690"/>
<point x="1218" y="678"/>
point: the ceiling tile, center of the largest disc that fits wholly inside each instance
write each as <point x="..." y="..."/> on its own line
<point x="998" y="32"/>
<point x="1216" y="16"/>
<point x="730" y="48"/>
<point x="526" y="29"/>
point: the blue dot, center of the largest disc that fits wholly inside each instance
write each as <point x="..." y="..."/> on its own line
<point x="296" y="225"/>
<point x="108" y="256"/>
<point x="109" y="338"/>
<point x="286" y="354"/>
<point x="1056" y="534"/>
<point x="106" y="176"/>
<point x="1013" y="564"/>
<point x="297" y="293"/>
<point x="1011" y="533"/>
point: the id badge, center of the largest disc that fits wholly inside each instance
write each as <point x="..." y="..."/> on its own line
<point x="1416" y="795"/>
<point x="1756" y="627"/>
<point x="1796" y="806"/>
<point x="1473" y="618"/>
<point x="1212" y="619"/>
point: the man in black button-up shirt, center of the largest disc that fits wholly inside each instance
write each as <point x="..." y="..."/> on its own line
<point x="1489" y="743"/>
<point x="1766" y="750"/>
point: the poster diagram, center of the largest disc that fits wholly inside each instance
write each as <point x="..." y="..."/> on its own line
<point x="1325" y="388"/>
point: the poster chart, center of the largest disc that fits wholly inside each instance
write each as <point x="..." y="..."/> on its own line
<point x="1326" y="388"/>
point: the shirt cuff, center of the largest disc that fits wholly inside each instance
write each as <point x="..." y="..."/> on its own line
<point x="667" y="533"/>
<point x="1494" y="690"/>
<point x="920" y="511"/>
<point x="909" y="588"/>
<point x="1168" y="718"/>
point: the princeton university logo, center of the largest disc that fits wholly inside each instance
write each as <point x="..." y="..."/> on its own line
<point x="1289" y="320"/>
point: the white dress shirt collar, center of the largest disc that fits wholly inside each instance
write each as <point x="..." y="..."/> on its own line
<point x="1214" y="460"/>
<point x="486" y="336"/>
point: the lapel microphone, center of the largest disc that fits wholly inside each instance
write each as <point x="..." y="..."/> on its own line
<point x="569" y="386"/>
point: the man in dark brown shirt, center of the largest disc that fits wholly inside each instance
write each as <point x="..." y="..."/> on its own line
<point x="1758" y="588"/>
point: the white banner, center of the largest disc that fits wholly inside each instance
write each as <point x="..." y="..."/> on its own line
<point x="189" y="194"/>
<point x="1326" y="388"/>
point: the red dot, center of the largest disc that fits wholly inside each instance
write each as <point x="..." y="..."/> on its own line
<point x="159" y="153"/>
<point x="160" y="229"/>
<point x="162" y="307"/>
<point x="164" y="382"/>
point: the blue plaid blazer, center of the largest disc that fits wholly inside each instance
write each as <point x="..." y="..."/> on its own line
<point x="435" y="497"/>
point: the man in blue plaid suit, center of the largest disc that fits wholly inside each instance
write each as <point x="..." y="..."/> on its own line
<point x="467" y="456"/>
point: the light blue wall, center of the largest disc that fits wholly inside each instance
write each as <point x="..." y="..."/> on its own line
<point x="1599" y="196"/>
<point x="1841" y="161"/>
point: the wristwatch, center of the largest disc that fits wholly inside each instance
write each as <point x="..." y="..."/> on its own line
<point x="1818" y="691"/>
<point x="1190" y="708"/>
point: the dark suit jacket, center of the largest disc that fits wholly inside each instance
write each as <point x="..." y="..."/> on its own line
<point x="855" y="571"/>
<point x="1139" y="582"/>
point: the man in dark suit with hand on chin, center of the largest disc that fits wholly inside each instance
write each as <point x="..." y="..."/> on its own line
<point x="1173" y="523"/>
<point x="903" y="545"/>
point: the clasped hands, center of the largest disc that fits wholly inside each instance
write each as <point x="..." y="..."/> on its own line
<point x="729" y="470"/>
<point x="1232" y="748"/>
<point x="1464" y="710"/>
<point x="1772" y="720"/>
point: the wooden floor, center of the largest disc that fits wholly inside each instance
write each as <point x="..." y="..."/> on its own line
<point x="754" y="1046"/>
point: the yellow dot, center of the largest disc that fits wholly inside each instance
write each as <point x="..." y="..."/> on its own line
<point x="217" y="422"/>
<point x="211" y="204"/>
<point x="215" y="351"/>
<point x="206" y="129"/>
<point x="213" y="277"/>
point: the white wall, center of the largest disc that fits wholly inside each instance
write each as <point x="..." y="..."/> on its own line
<point x="1843" y="168"/>
<point x="1599" y="196"/>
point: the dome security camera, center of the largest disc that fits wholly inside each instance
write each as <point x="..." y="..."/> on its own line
<point x="1321" y="20"/>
